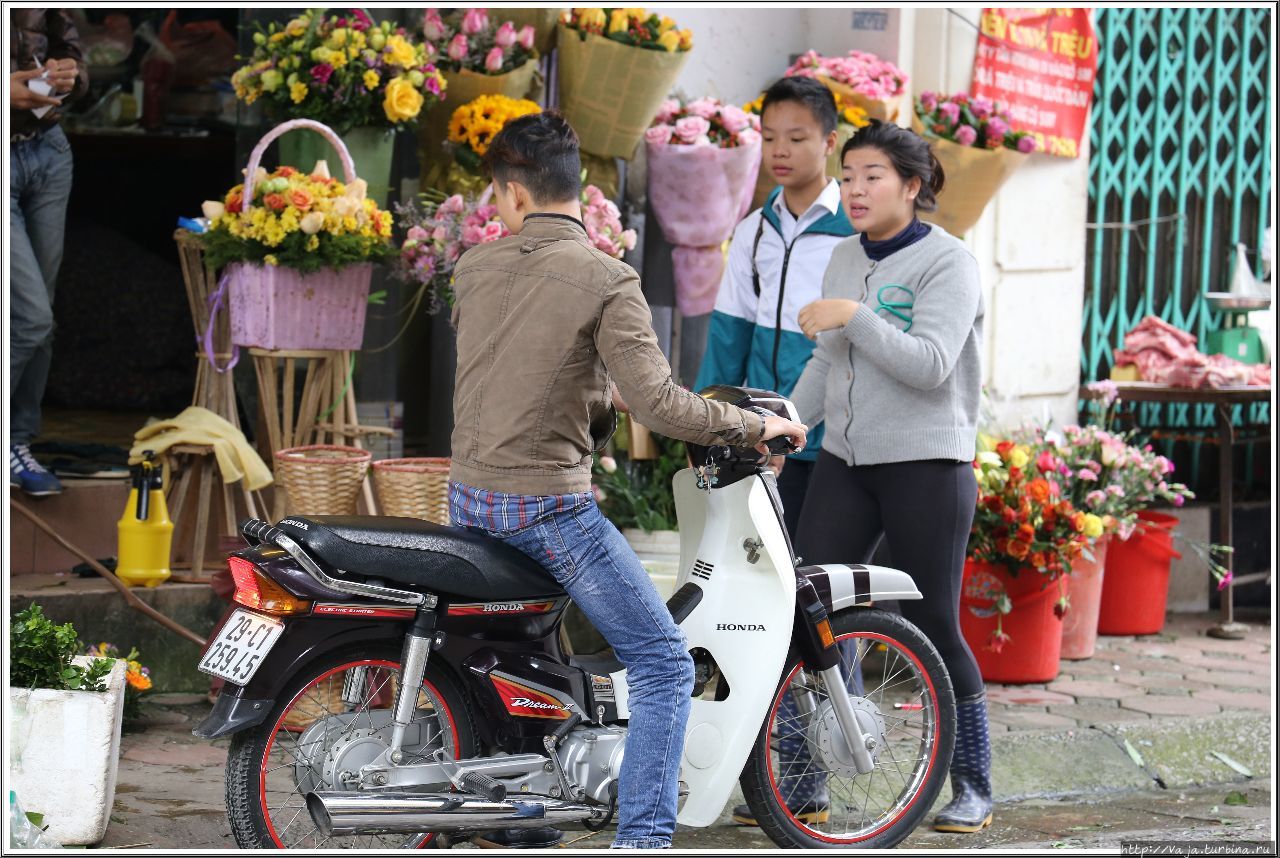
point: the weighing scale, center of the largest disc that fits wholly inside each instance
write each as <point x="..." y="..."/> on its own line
<point x="1236" y="339"/>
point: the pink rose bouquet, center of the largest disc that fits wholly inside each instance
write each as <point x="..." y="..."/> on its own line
<point x="703" y="157"/>
<point x="862" y="72"/>
<point x="604" y="223"/>
<point x="972" y="121"/>
<point x="438" y="232"/>
<point x="475" y="42"/>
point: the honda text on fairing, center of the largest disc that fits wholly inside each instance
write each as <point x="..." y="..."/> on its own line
<point x="395" y="683"/>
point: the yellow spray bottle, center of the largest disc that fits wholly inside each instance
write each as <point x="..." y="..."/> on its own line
<point x="144" y="530"/>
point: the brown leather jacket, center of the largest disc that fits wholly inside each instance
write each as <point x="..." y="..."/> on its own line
<point x="545" y="321"/>
<point x="43" y="34"/>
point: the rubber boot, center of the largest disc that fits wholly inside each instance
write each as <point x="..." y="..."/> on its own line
<point x="970" y="806"/>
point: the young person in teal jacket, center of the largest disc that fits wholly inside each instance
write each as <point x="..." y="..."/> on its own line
<point x="776" y="261"/>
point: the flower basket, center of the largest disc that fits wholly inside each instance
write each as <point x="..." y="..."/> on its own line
<point x="1135" y="588"/>
<point x="609" y="91"/>
<point x="463" y="86"/>
<point x="1080" y="625"/>
<point x="322" y="479"/>
<point x="974" y="176"/>
<point x="413" y="488"/>
<point x="1031" y="652"/>
<point x="276" y="307"/>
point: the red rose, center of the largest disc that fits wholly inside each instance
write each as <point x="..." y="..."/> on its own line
<point x="285" y="172"/>
<point x="234" y="202"/>
<point x="275" y="202"/>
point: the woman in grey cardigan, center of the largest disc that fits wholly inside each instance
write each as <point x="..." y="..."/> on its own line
<point x="897" y="377"/>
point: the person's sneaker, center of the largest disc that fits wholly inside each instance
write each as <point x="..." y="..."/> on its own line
<point x="26" y="473"/>
<point x="519" y="838"/>
<point x="809" y="814"/>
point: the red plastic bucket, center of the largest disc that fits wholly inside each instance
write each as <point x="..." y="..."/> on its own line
<point x="1035" y="632"/>
<point x="1135" y="586"/>
<point x="1080" y="625"/>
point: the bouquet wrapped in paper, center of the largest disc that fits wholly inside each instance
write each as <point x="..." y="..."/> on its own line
<point x="859" y="79"/>
<point x="478" y="55"/>
<point x="472" y="128"/>
<point x="979" y="149"/>
<point x="616" y="67"/>
<point x="703" y="160"/>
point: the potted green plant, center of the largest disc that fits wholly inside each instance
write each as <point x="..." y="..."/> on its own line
<point x="66" y="713"/>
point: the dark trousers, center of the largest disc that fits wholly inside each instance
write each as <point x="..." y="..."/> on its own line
<point x="793" y="484"/>
<point x="924" y="510"/>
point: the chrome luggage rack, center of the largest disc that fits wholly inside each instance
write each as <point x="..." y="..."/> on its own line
<point x="258" y="532"/>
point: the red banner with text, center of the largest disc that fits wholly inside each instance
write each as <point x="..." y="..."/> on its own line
<point x="1040" y="64"/>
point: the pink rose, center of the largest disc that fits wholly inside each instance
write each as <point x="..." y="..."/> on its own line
<point x="1027" y="144"/>
<point x="981" y="107"/>
<point x="492" y="231"/>
<point x="417" y="233"/>
<point x="628" y="239"/>
<point x="526" y="37"/>
<point x="734" y="118"/>
<point x="433" y="27"/>
<point x="704" y="107"/>
<point x="950" y="111"/>
<point x="494" y="59"/>
<point x="689" y="129"/>
<point x="997" y="128"/>
<point x="506" y="35"/>
<point x="439" y="234"/>
<point x="475" y="21"/>
<point x="748" y="136"/>
<point x="965" y="135"/>
<point x="453" y="205"/>
<point x="659" y="135"/>
<point x="928" y="100"/>
<point x="667" y="110"/>
<point x="458" y="48"/>
<point x="472" y="235"/>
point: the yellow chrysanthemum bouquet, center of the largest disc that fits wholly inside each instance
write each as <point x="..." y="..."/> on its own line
<point x="340" y="69"/>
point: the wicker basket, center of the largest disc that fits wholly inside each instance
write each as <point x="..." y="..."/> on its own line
<point x="415" y="488"/>
<point x="322" y="479"/>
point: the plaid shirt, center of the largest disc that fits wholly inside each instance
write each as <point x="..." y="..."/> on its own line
<point x="499" y="511"/>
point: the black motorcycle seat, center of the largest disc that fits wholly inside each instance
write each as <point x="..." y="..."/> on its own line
<point x="422" y="555"/>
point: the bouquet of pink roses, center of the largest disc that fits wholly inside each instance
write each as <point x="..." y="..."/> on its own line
<point x="474" y="43"/>
<point x="859" y="78"/>
<point x="972" y="121"/>
<point x="439" y="231"/>
<point x="704" y="157"/>
<point x="604" y="223"/>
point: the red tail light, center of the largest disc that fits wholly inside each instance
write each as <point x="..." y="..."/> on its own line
<point x="255" y="590"/>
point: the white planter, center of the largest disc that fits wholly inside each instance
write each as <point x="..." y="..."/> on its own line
<point x="63" y="755"/>
<point x="659" y="553"/>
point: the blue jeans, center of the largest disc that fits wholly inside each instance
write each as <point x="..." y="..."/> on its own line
<point x="39" y="187"/>
<point x="596" y="566"/>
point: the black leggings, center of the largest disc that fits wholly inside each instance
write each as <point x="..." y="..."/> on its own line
<point x="925" y="510"/>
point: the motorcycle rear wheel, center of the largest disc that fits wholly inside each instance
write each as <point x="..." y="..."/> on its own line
<point x="266" y="785"/>
<point x="904" y="677"/>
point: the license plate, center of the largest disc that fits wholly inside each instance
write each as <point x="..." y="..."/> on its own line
<point x="241" y="646"/>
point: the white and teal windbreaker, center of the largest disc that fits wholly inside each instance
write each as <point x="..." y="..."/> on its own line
<point x="755" y="338"/>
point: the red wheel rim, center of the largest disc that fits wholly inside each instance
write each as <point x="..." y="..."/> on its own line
<point x="437" y="699"/>
<point x="891" y="820"/>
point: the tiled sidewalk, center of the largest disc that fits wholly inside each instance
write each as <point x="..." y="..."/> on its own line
<point x="1178" y="673"/>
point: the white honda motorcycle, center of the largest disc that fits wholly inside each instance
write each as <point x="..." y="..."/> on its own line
<point x="392" y="682"/>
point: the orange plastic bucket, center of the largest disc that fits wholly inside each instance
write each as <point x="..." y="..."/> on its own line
<point x="1032" y="653"/>
<point x="1135" y="586"/>
<point x="1080" y="625"/>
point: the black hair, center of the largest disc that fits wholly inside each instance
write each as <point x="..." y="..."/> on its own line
<point x="808" y="92"/>
<point x="911" y="155"/>
<point x="540" y="151"/>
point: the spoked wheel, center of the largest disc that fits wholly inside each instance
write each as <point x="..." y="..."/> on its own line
<point x="333" y="720"/>
<point x="799" y="780"/>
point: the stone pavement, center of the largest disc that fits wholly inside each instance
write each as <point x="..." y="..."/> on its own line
<point x="1119" y="746"/>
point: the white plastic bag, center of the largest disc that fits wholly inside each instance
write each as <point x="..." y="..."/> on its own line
<point x="23" y="833"/>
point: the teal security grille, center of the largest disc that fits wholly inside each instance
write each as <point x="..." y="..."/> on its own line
<point x="1179" y="172"/>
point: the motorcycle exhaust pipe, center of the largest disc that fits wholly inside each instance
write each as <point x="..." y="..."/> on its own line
<point x="340" y="813"/>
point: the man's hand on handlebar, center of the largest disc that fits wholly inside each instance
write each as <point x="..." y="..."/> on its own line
<point x="782" y="436"/>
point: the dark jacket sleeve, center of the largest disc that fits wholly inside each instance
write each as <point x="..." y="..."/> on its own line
<point x="629" y="349"/>
<point x="64" y="43"/>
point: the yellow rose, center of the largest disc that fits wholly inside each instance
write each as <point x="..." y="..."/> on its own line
<point x="371" y="80"/>
<point x="1092" y="525"/>
<point x="686" y="40"/>
<point x="298" y="92"/>
<point x="1018" y="457"/>
<point x="618" y="21"/>
<point x="666" y="24"/>
<point x="670" y="40"/>
<point x="591" y="18"/>
<point x="401" y="53"/>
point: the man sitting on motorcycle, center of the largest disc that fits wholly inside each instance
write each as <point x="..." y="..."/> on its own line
<point x="546" y="325"/>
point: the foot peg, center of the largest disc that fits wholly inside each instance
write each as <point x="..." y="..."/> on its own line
<point x="482" y="785"/>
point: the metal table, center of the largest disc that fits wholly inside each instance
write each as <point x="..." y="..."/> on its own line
<point x="1222" y="398"/>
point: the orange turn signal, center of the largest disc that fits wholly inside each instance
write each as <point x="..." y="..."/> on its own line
<point x="824" y="632"/>
<point x="254" y="589"/>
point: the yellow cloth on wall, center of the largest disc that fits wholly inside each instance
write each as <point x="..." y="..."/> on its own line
<point x="236" y="458"/>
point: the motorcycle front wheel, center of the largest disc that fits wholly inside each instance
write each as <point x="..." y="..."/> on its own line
<point x="798" y="781"/>
<point x="333" y="718"/>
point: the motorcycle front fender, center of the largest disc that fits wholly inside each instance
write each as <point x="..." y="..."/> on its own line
<point x="845" y="585"/>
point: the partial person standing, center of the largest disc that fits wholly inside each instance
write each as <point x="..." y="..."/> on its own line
<point x="46" y="72"/>
<point x="776" y="260"/>
<point x="897" y="376"/>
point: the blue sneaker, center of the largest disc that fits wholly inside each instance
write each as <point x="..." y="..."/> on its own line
<point x="28" y="474"/>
